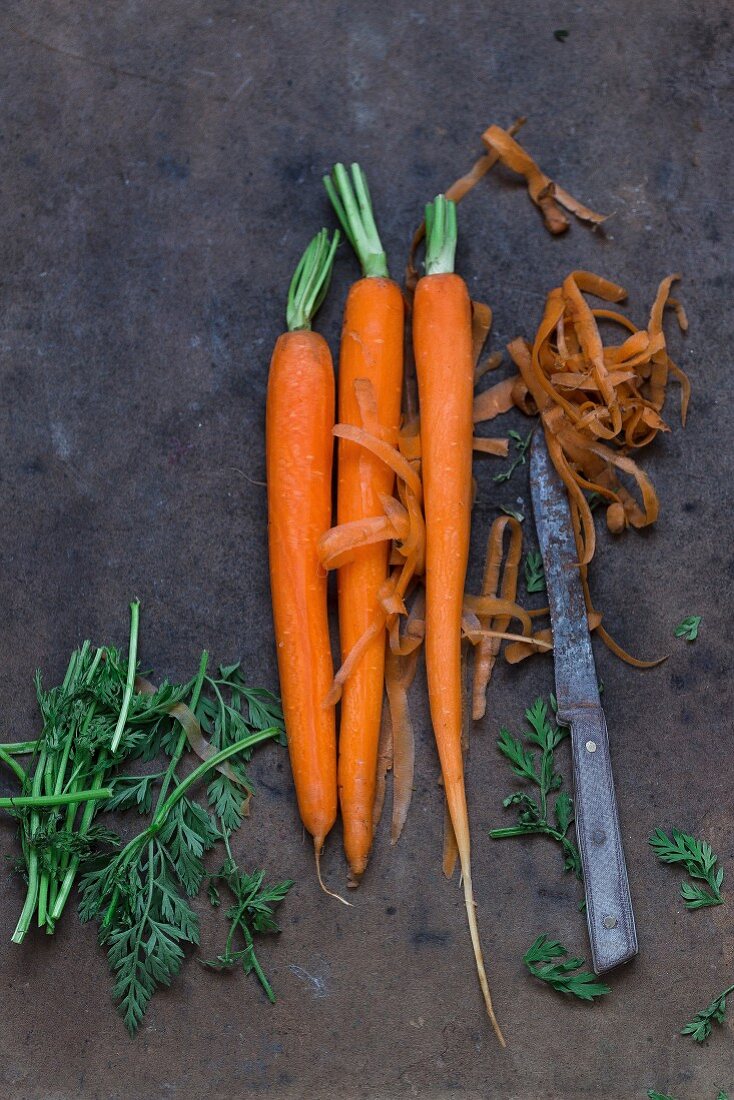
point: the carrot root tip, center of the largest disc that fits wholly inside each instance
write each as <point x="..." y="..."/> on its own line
<point x="318" y="843"/>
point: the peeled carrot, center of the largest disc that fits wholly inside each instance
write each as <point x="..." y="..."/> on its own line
<point x="442" y="340"/>
<point x="299" y="448"/>
<point x="372" y="351"/>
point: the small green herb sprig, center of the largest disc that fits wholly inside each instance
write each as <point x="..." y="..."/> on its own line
<point x="534" y="572"/>
<point x="699" y="861"/>
<point x="701" y="1026"/>
<point x="514" y="512"/>
<point x="567" y="976"/>
<point x="688" y="629"/>
<point x="251" y="913"/>
<point x="653" y="1095"/>
<point x="228" y="711"/>
<point x="521" y="449"/>
<point x="536" y="817"/>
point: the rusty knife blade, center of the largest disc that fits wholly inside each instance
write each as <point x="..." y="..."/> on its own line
<point x="609" y="913"/>
<point x="576" y="680"/>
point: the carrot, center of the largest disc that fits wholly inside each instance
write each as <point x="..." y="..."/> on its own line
<point x="299" y="447"/>
<point x="442" y="340"/>
<point x="371" y="352"/>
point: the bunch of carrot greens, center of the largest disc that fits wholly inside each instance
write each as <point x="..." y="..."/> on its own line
<point x="400" y="543"/>
<point x="104" y="717"/>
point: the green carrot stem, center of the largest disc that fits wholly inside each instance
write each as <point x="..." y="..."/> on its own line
<point x="181" y="743"/>
<point x="310" y="281"/>
<point x="37" y="891"/>
<point x="256" y="962"/>
<point x="159" y="818"/>
<point x="352" y="204"/>
<point x="132" y="661"/>
<point x="15" y="767"/>
<point x="51" y="801"/>
<point x="70" y="873"/>
<point x="29" y="905"/>
<point x="441" y="236"/>
<point x="19" y="748"/>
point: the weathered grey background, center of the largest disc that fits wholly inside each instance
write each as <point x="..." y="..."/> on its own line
<point x="161" y="169"/>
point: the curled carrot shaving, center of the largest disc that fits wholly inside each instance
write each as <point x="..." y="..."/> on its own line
<point x="455" y="192"/>
<point x="497" y="399"/>
<point x="485" y="365"/>
<point x="498" y="447"/>
<point x="383" y="450"/>
<point x="501" y="147"/>
<point x="399" y="675"/>
<point x="402" y="524"/>
<point x="384" y="765"/>
<point x="485" y="653"/>
<point x="546" y="194"/>
<point x="481" y="323"/>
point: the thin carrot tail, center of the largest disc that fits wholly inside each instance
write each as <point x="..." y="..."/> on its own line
<point x="471" y="912"/>
<point x="318" y="843"/>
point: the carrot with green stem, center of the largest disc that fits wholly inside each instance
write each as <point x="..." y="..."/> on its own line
<point x="442" y="340"/>
<point x="299" y="447"/>
<point x="370" y="358"/>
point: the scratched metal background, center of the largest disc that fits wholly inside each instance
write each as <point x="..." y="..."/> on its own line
<point x="161" y="170"/>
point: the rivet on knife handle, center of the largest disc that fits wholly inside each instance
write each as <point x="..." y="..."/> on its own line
<point x="608" y="904"/>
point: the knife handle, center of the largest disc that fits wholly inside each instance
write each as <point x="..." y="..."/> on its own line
<point x="608" y="902"/>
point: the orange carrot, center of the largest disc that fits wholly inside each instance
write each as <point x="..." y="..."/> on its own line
<point x="299" y="448"/>
<point x="442" y="339"/>
<point x="371" y="351"/>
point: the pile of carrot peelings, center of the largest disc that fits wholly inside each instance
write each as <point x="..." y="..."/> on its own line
<point x="598" y="404"/>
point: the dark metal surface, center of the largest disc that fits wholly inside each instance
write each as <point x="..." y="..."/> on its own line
<point x="161" y="168"/>
<point x="609" y="915"/>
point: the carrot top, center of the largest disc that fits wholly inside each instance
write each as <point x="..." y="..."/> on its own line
<point x="441" y="234"/>
<point x="310" y="281"/>
<point x="353" y="206"/>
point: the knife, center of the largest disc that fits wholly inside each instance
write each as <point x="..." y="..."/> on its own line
<point x="608" y="903"/>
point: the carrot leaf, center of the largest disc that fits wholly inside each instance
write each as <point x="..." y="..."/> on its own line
<point x="521" y="446"/>
<point x="688" y="629"/>
<point x="565" y="976"/>
<point x="701" y="1026"/>
<point x="539" y="818"/>
<point x="534" y="572"/>
<point x="251" y="913"/>
<point x="699" y="861"/>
